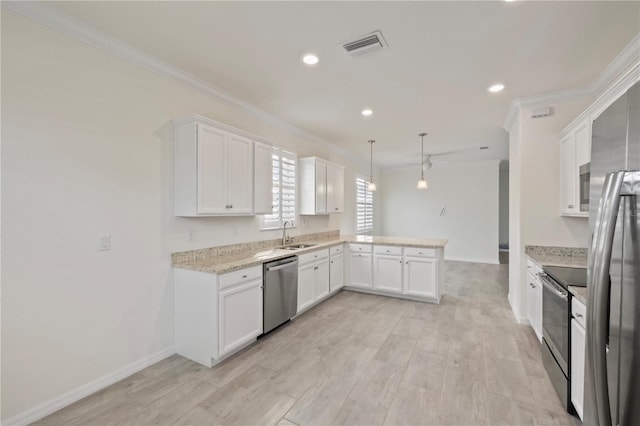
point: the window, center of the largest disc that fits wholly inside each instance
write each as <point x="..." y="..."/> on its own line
<point x="284" y="165"/>
<point x="364" y="206"/>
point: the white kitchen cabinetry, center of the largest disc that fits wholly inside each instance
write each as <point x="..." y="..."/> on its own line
<point x="575" y="151"/>
<point x="216" y="314"/>
<point x="387" y="268"/>
<point x="213" y="170"/>
<point x="336" y="268"/>
<point x="335" y="188"/>
<point x="313" y="278"/>
<point x="360" y="266"/>
<point x="578" y="321"/>
<point x="263" y="182"/>
<point x="423" y="273"/>
<point x="534" y="298"/>
<point x="321" y="186"/>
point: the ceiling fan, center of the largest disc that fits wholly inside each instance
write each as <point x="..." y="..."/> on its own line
<point x="427" y="157"/>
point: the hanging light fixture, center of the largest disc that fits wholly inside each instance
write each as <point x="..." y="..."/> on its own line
<point x="422" y="182"/>
<point x="371" y="186"/>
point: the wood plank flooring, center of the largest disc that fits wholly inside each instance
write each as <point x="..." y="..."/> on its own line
<point x="356" y="359"/>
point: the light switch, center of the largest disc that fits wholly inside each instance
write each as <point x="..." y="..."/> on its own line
<point x="104" y="243"/>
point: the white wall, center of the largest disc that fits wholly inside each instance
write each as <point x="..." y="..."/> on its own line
<point x="469" y="191"/>
<point x="87" y="150"/>
<point x="534" y="191"/>
<point x="503" y="233"/>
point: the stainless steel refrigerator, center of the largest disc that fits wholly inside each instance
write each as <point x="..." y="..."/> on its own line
<point x="612" y="372"/>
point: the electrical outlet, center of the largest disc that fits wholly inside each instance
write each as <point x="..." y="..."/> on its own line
<point x="104" y="243"/>
<point x="192" y="235"/>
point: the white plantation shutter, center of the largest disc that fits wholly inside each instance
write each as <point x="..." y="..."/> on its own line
<point x="364" y="206"/>
<point x="284" y="167"/>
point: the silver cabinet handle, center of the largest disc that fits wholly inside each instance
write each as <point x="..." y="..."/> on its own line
<point x="244" y="276"/>
<point x="531" y="285"/>
<point x="615" y="186"/>
<point x="578" y="315"/>
<point x="401" y="262"/>
<point x="315" y="267"/>
<point x="570" y="206"/>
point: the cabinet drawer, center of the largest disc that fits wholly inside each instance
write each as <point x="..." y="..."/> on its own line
<point x="336" y="249"/>
<point x="420" y="252"/>
<point x="242" y="275"/>
<point x="533" y="267"/>
<point x="579" y="311"/>
<point x="313" y="256"/>
<point x="395" y="250"/>
<point x="360" y="248"/>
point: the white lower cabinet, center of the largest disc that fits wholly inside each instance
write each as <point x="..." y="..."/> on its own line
<point x="534" y="298"/>
<point x="578" y="337"/>
<point x="313" y="278"/>
<point x="240" y="315"/>
<point x="336" y="272"/>
<point x="216" y="314"/>
<point x="421" y="277"/>
<point x="387" y="272"/>
<point x="360" y="270"/>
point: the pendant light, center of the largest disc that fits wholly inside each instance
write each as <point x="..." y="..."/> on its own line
<point x="371" y="186"/>
<point x="422" y="182"/>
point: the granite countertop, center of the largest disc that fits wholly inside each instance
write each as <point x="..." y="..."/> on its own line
<point x="579" y="293"/>
<point x="572" y="257"/>
<point x="253" y="254"/>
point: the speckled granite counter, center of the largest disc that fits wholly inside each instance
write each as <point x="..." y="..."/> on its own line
<point x="219" y="260"/>
<point x="579" y="293"/>
<point x="572" y="257"/>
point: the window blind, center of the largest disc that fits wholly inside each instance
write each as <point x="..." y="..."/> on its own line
<point x="283" y="172"/>
<point x="364" y="206"/>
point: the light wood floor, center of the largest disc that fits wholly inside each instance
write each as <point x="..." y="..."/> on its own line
<point x="356" y="359"/>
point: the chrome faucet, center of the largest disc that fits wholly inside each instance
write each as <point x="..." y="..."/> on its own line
<point x="285" y="239"/>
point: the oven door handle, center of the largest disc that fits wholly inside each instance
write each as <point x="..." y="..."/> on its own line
<point x="552" y="287"/>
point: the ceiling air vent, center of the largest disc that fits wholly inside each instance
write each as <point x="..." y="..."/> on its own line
<point x="366" y="44"/>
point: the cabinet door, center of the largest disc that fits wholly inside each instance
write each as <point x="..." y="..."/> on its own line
<point x="321" y="187"/>
<point x="335" y="189"/>
<point x="569" y="173"/>
<point x="240" y="174"/>
<point x="263" y="180"/>
<point x="360" y="270"/>
<point x="321" y="279"/>
<point x="387" y="273"/>
<point x="531" y="301"/>
<point x="537" y="318"/>
<point x="577" y="365"/>
<point x="240" y="315"/>
<point x="211" y="165"/>
<point x="421" y="277"/>
<point x="336" y="273"/>
<point x="306" y="286"/>
<point x="338" y="190"/>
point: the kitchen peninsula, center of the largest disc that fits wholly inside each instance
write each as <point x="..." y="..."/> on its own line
<point x="219" y="290"/>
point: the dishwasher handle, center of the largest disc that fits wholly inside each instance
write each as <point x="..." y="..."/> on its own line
<point x="282" y="266"/>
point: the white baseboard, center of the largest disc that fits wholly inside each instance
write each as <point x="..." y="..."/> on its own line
<point x="68" y="398"/>
<point x="466" y="259"/>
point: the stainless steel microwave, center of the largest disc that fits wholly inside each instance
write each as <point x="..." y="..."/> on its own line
<point x="585" y="176"/>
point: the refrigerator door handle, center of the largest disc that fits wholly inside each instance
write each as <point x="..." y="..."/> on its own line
<point x="615" y="186"/>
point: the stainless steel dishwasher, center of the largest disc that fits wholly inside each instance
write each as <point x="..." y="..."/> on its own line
<point x="280" y="297"/>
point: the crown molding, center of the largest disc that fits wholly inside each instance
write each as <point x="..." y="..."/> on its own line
<point x="52" y="17"/>
<point x="621" y="65"/>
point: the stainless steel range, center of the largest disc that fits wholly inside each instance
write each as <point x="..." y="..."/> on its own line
<point x="556" y="317"/>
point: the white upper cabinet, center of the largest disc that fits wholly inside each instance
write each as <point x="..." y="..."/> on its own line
<point x="575" y="151"/>
<point x="321" y="187"/>
<point x="214" y="170"/>
<point x="335" y="188"/>
<point x="263" y="182"/>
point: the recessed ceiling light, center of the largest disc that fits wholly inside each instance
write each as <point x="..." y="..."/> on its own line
<point x="367" y="112"/>
<point x="496" y="88"/>
<point x="310" y="59"/>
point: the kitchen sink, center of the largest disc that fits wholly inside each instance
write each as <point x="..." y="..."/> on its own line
<point x="298" y="246"/>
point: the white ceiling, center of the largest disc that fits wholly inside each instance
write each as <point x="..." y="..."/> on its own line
<point x="433" y="77"/>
